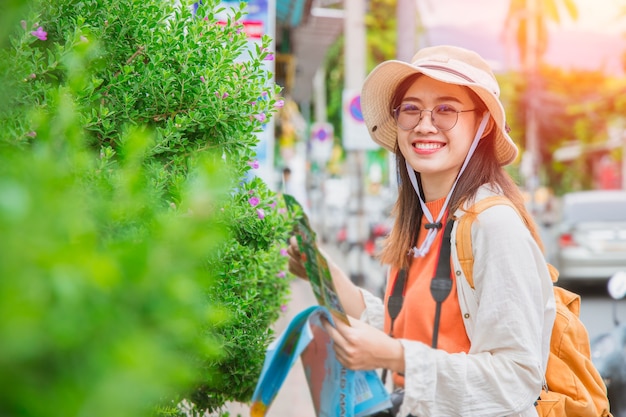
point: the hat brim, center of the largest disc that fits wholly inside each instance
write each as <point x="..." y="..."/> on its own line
<point x="381" y="84"/>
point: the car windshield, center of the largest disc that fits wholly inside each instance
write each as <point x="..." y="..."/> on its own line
<point x="596" y="211"/>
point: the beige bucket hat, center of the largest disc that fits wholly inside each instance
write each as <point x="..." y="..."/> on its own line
<point x="449" y="64"/>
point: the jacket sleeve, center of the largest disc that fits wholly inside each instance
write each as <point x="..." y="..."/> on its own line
<point x="374" y="313"/>
<point x="508" y="326"/>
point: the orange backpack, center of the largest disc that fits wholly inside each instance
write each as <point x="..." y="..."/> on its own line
<point x="573" y="386"/>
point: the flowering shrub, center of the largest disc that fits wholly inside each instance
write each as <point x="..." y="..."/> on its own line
<point x="144" y="255"/>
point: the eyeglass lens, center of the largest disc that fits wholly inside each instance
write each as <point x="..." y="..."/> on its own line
<point x="443" y="116"/>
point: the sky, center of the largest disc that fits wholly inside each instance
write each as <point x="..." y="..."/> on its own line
<point x="595" y="41"/>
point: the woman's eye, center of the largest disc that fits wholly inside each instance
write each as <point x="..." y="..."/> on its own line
<point x="409" y="108"/>
<point x="445" y="108"/>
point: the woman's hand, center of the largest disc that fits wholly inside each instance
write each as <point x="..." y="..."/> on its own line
<point x="296" y="264"/>
<point x="361" y="346"/>
<point x="349" y="294"/>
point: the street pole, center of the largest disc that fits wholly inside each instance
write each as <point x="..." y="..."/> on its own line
<point x="532" y="141"/>
<point x="319" y="93"/>
<point x="318" y="203"/>
<point x="624" y="160"/>
<point x="406" y="31"/>
<point x="354" y="49"/>
<point x="354" y="62"/>
<point x="406" y="47"/>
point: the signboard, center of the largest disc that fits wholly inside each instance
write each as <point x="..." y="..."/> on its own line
<point x="322" y="135"/>
<point x="355" y="134"/>
<point x="259" y="20"/>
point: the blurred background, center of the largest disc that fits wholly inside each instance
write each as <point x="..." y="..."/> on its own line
<point x="560" y="64"/>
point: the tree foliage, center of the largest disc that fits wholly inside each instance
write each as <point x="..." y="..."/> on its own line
<point x="520" y="19"/>
<point x="573" y="106"/>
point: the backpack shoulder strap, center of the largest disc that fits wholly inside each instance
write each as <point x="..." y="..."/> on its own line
<point x="464" y="235"/>
<point x="464" y="232"/>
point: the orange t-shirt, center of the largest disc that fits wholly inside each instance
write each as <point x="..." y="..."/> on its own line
<point x="417" y="317"/>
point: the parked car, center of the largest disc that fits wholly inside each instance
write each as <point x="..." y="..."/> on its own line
<point x="591" y="236"/>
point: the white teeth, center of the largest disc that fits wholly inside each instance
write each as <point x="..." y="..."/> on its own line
<point x="429" y="145"/>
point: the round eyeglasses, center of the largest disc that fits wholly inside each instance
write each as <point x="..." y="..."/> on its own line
<point x="443" y="116"/>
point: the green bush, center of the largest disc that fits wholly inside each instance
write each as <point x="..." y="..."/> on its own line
<point x="102" y="290"/>
<point x="142" y="261"/>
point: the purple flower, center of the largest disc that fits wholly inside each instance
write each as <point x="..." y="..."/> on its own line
<point x="279" y="103"/>
<point x="282" y="210"/>
<point x="273" y="204"/>
<point x="260" y="117"/>
<point x="260" y="213"/>
<point x="218" y="95"/>
<point x="283" y="252"/>
<point x="254" y="164"/>
<point x="31" y="134"/>
<point x="254" y="201"/>
<point x="202" y="79"/>
<point x="283" y="308"/>
<point x="281" y="274"/>
<point x="269" y="56"/>
<point x="41" y="34"/>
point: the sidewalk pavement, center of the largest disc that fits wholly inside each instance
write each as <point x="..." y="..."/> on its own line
<point x="294" y="399"/>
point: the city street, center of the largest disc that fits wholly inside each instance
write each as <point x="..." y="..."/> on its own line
<point x="597" y="310"/>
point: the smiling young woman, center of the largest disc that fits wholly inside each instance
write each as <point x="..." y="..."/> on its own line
<point x="479" y="351"/>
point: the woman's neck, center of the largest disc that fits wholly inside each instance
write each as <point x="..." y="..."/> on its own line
<point x="436" y="186"/>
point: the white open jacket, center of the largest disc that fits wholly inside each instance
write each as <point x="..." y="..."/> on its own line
<point x="508" y="318"/>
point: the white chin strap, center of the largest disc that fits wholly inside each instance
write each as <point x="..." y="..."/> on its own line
<point x="432" y="232"/>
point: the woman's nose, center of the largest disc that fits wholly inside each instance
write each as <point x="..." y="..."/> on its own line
<point x="425" y="126"/>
